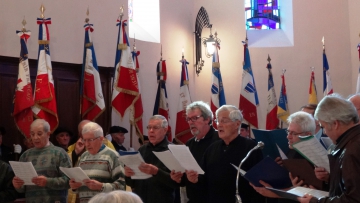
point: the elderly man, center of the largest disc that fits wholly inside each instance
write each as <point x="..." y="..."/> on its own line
<point x="300" y="124"/>
<point x="160" y="187"/>
<point x="118" y="137"/>
<point x="51" y="185"/>
<point x="245" y="130"/>
<point x="100" y="163"/>
<point x="220" y="176"/>
<point x="62" y="137"/>
<point x="199" y="117"/>
<point x="339" y="119"/>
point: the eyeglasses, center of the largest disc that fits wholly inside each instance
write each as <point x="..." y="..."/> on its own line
<point x="90" y="140"/>
<point x="193" y="119"/>
<point x="223" y="121"/>
<point x="293" y="133"/>
<point x="156" y="127"/>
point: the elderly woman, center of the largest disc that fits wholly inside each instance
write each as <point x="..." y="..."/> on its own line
<point x="50" y="185"/>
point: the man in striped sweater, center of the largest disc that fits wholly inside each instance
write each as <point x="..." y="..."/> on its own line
<point x="100" y="163"/>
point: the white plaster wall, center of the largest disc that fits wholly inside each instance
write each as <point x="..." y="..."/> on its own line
<point x="312" y="21"/>
<point x="336" y="20"/>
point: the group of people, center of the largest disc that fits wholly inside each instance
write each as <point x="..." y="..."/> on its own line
<point x="216" y="151"/>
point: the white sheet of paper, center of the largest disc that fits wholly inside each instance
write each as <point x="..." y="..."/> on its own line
<point x="133" y="161"/>
<point x="242" y="172"/>
<point x="170" y="161"/>
<point x="314" y="152"/>
<point x="185" y="158"/>
<point x="282" y="154"/>
<point x="76" y="173"/>
<point x="24" y="170"/>
<point x="301" y="191"/>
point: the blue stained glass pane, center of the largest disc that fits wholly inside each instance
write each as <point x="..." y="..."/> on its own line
<point x="262" y="14"/>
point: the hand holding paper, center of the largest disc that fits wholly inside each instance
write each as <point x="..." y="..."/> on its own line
<point x="133" y="160"/>
<point x="75" y="173"/>
<point x="24" y="170"/>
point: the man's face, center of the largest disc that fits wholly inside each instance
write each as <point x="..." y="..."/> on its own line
<point x="39" y="137"/>
<point x="199" y="126"/>
<point x="227" y="129"/>
<point x="294" y="131"/>
<point x="329" y="130"/>
<point x="118" y="137"/>
<point x="156" y="133"/>
<point x="244" y="132"/>
<point x="92" y="143"/>
<point x="63" y="138"/>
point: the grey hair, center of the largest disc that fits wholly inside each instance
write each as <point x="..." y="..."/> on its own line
<point x="42" y="122"/>
<point x="94" y="128"/>
<point x="164" y="122"/>
<point x="117" y="196"/>
<point x="335" y="108"/>
<point x="305" y="120"/>
<point x="203" y="107"/>
<point x="235" y="114"/>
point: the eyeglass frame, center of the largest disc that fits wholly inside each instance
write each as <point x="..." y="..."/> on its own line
<point x="222" y="121"/>
<point x="193" y="119"/>
<point x="292" y="133"/>
<point x="155" y="127"/>
<point x="91" y="140"/>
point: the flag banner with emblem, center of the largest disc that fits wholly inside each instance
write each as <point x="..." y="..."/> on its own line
<point x="312" y="89"/>
<point x="137" y="108"/>
<point x="161" y="106"/>
<point x="217" y="87"/>
<point x="23" y="98"/>
<point x="272" y="122"/>
<point x="182" y="130"/>
<point x="248" y="96"/>
<point x="283" y="109"/>
<point x="92" y="104"/>
<point x="328" y="88"/>
<point x="44" y="96"/>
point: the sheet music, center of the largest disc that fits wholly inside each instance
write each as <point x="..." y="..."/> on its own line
<point x="313" y="151"/>
<point x="76" y="173"/>
<point x="170" y="161"/>
<point x="24" y="170"/>
<point x="133" y="161"/>
<point x="282" y="154"/>
<point x="301" y="191"/>
<point x="185" y="158"/>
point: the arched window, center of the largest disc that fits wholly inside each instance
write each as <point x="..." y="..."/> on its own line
<point x="262" y="14"/>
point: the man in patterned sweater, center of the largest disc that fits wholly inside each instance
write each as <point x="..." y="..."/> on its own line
<point x="51" y="184"/>
<point x="100" y="163"/>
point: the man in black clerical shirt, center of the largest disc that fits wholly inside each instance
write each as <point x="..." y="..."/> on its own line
<point x="118" y="137"/>
<point x="199" y="117"/>
<point x="219" y="179"/>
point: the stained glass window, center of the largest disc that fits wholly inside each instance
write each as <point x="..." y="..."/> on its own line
<point x="262" y="14"/>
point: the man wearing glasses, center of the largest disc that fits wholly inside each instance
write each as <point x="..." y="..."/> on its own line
<point x="220" y="176"/>
<point x="159" y="188"/>
<point x="100" y="163"/>
<point x="199" y="117"/>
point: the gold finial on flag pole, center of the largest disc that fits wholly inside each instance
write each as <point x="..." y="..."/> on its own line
<point x="268" y="59"/>
<point x="23" y="23"/>
<point x="121" y="12"/>
<point x="42" y="10"/>
<point x="87" y="15"/>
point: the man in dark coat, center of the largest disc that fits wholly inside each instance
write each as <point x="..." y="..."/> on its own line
<point x="118" y="137"/>
<point x="7" y="190"/>
<point x="159" y="188"/>
<point x="340" y="122"/>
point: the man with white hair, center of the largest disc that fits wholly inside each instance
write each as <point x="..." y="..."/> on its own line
<point x="100" y="163"/>
<point x="339" y="119"/>
<point x="220" y="176"/>
<point x="159" y="188"/>
<point x="51" y="184"/>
